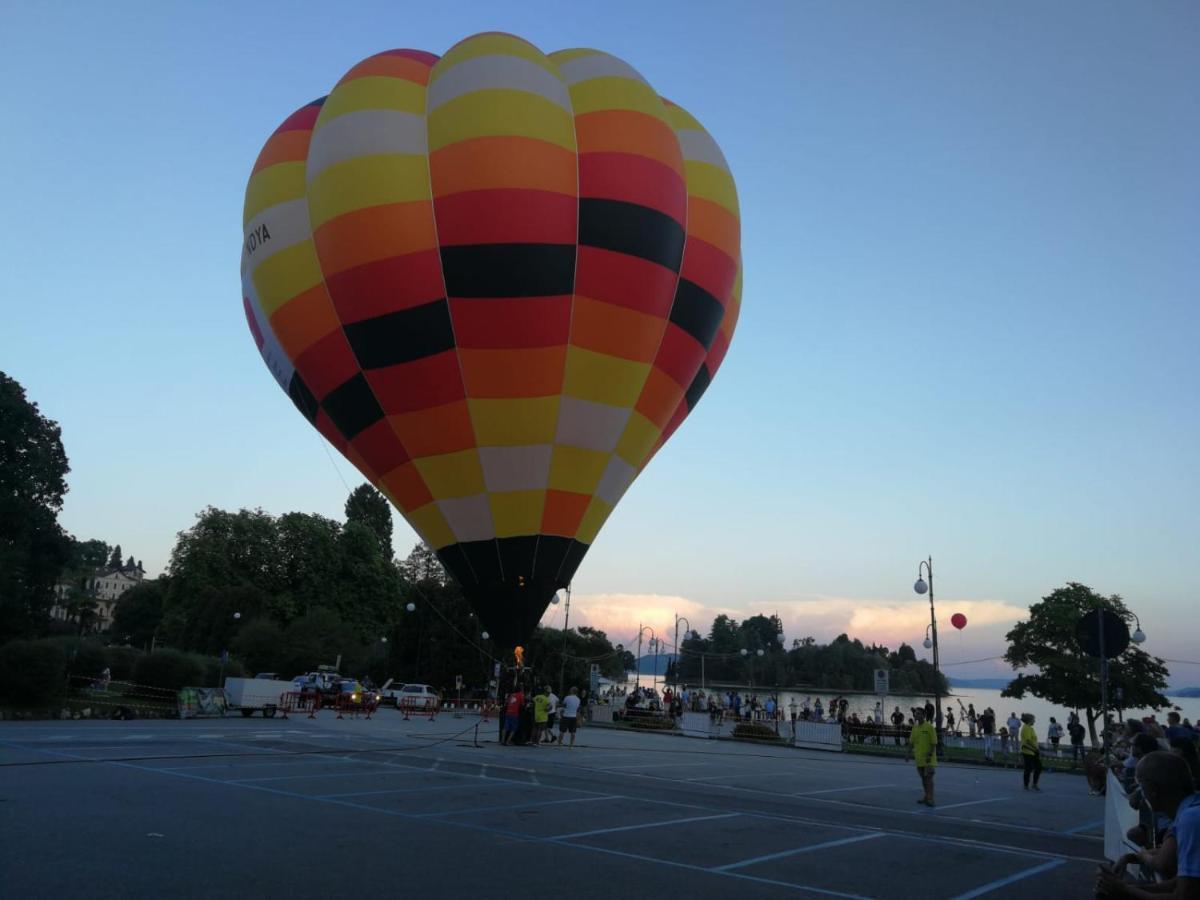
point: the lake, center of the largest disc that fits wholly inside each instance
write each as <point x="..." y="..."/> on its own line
<point x="864" y="704"/>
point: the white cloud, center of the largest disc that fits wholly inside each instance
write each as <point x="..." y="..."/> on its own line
<point x="823" y="617"/>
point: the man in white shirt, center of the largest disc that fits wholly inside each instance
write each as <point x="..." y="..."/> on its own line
<point x="568" y="716"/>
<point x="552" y="715"/>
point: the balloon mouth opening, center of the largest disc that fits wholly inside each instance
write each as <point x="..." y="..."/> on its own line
<point x="511" y="611"/>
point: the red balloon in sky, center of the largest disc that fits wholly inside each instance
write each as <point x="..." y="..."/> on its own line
<point x="959" y="621"/>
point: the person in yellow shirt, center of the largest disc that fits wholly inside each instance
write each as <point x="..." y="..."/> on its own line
<point x="922" y="746"/>
<point x="1031" y="753"/>
<point x="541" y="715"/>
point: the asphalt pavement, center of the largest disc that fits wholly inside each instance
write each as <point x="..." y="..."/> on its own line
<point x="326" y="807"/>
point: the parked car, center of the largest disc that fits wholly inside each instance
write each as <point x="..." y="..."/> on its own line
<point x="417" y="697"/>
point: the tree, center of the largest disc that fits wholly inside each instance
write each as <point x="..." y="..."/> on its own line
<point x="139" y="612"/>
<point x="368" y="506"/>
<point x="1065" y="675"/>
<point x="422" y="565"/>
<point x="33" y="548"/>
<point x="114" y="561"/>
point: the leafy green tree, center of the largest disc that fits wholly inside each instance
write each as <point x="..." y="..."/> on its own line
<point x="368" y="506"/>
<point x="114" y="561"/>
<point x="139" y="612"/>
<point x="33" y="548"/>
<point x="87" y="556"/>
<point x="1068" y="677"/>
<point x="260" y="644"/>
<point x="422" y="565"/>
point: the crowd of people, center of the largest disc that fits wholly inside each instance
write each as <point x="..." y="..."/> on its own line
<point x="1159" y="771"/>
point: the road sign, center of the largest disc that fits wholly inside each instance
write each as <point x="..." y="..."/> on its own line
<point x="1116" y="633"/>
<point x="881" y="682"/>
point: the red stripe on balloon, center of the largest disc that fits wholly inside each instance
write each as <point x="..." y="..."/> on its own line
<point x="506" y="216"/>
<point x="506" y="323"/>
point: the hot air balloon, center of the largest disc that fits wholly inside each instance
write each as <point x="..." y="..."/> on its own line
<point x="959" y="621"/>
<point x="496" y="281"/>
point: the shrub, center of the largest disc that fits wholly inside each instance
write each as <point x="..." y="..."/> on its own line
<point x="212" y="671"/>
<point x="121" y="660"/>
<point x="168" y="669"/>
<point x="655" y="724"/>
<point x="754" y="731"/>
<point x="86" y="662"/>
<point x="32" y="673"/>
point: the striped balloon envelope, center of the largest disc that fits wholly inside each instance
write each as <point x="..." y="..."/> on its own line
<point x="497" y="281"/>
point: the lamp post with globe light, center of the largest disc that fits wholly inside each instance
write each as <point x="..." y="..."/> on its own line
<point x="562" y="668"/>
<point x="642" y="629"/>
<point x="746" y="654"/>
<point x="931" y="643"/>
<point x="678" y="619"/>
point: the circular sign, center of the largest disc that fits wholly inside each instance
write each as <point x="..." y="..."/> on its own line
<point x="1116" y="633"/>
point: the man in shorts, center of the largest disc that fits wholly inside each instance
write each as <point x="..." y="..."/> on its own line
<point x="512" y="716"/>
<point x="568" y="716"/>
<point x="551" y="715"/>
<point x="541" y="715"/>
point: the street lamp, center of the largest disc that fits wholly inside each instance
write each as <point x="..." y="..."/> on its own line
<point x="411" y="607"/>
<point x="678" y="619"/>
<point x="745" y="653"/>
<point x="641" y="630"/>
<point x="931" y="643"/>
<point x="562" y="667"/>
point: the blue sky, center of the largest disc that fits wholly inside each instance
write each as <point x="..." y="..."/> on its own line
<point x="969" y="325"/>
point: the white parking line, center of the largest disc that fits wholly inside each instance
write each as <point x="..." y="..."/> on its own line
<point x="706" y="765"/>
<point x="483" y="809"/>
<point x="857" y="787"/>
<point x="822" y="846"/>
<point x="972" y="803"/>
<point x="580" y="834"/>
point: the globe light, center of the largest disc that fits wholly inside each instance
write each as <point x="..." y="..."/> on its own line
<point x="779" y="637"/>
<point x="485" y="635"/>
<point x="554" y="600"/>
<point x="744" y="651"/>
<point x="238" y="615"/>
<point x="1139" y="636"/>
<point x="928" y="643"/>
<point x="920" y="587"/>
<point x="412" y="607"/>
<point x="760" y="652"/>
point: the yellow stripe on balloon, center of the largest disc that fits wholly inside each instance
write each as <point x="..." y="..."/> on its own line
<point x="493" y="44"/>
<point x="272" y="185"/>
<point x="431" y="525"/>
<point x="452" y="474"/>
<point x="489" y="113"/>
<point x="517" y="512"/>
<point x="367" y="181"/>
<point x="373" y="92"/>
<point x="285" y="275"/>
<point x="514" y="423"/>
<point x="576" y="469"/>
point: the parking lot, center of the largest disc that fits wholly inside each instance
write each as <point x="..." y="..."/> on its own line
<point x="326" y="807"/>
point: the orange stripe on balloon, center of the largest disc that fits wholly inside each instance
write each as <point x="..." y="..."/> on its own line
<point x="432" y="432"/>
<point x="563" y="512"/>
<point x="626" y="131"/>
<point x="502" y="162"/>
<point x="375" y="233"/>
<point x="390" y="66"/>
<point x="507" y="216"/>
<point x="528" y="372"/>
<point x="283" y="146"/>
<point x="304" y="320"/>
<point x="715" y="224"/>
<point x="615" y="330"/>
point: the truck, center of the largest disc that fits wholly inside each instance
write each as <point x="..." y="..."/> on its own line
<point x="251" y="695"/>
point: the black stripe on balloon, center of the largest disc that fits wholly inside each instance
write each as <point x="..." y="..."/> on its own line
<point x="571" y="561"/>
<point x="698" y="386"/>
<point x="551" y="550"/>
<point x="509" y="270"/>
<point x="631" y="229"/>
<point x="403" y="336"/>
<point x="454" y="561"/>
<point x="483" y="559"/>
<point x="303" y="397"/>
<point x="516" y="557"/>
<point x="697" y="312"/>
<point x="352" y="406"/>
